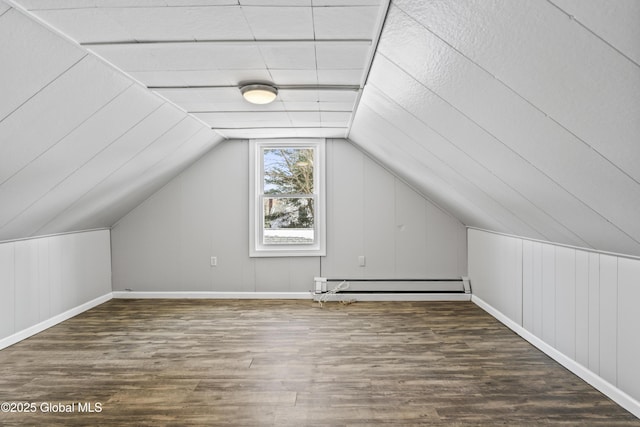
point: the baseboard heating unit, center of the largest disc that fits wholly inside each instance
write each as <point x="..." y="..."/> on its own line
<point x="339" y="289"/>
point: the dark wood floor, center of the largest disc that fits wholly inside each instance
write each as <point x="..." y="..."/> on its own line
<point x="291" y="363"/>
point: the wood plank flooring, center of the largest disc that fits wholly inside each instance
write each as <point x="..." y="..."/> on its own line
<point x="292" y="363"/>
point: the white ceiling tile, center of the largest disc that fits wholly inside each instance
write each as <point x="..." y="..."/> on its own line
<point x="308" y="95"/>
<point x="214" y="99"/>
<point x="335" y="118"/>
<point x="279" y="23"/>
<point x="305" y="118"/>
<point x="44" y="119"/>
<point x="114" y="24"/>
<point x="337" y="132"/>
<point x="341" y="77"/>
<point x="74" y="150"/>
<point x="29" y="67"/>
<point x="294" y="77"/>
<point x="316" y="105"/>
<point x="200" y="77"/>
<point x="317" y="3"/>
<point x="275" y="3"/>
<point x="236" y="106"/>
<point x="86" y="4"/>
<point x="194" y="2"/>
<point x="289" y="56"/>
<point x="245" y="119"/>
<point x="290" y="95"/>
<point x="212" y="95"/>
<point x="182" y="56"/>
<point x="337" y="95"/>
<point x="343" y="55"/>
<point x="86" y="25"/>
<point x="345" y="22"/>
<point x="301" y="105"/>
<point x="285" y="133"/>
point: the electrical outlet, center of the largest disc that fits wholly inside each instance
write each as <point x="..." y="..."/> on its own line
<point x="214" y="261"/>
<point x="361" y="261"/>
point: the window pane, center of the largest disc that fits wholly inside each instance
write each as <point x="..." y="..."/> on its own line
<point x="288" y="170"/>
<point x="288" y="221"/>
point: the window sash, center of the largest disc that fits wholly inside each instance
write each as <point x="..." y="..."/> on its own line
<point x="288" y="235"/>
<point x="260" y="244"/>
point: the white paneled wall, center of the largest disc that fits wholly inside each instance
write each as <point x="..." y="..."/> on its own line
<point x="45" y="280"/>
<point x="165" y="244"/>
<point x="581" y="304"/>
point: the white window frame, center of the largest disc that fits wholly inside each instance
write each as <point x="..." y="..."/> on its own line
<point x="256" y="179"/>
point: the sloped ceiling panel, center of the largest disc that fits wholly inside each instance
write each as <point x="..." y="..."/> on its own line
<point x="194" y="48"/>
<point x="68" y="123"/>
<point x="526" y="110"/>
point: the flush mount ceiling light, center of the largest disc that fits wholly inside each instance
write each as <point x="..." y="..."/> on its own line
<point x="259" y="93"/>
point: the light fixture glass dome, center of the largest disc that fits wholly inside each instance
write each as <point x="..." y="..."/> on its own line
<point x="259" y="93"/>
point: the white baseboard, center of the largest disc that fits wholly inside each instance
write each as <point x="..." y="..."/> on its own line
<point x="211" y="295"/>
<point x="363" y="296"/>
<point x="46" y="324"/>
<point x="608" y="389"/>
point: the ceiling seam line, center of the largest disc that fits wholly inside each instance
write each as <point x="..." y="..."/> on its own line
<point x="139" y="43"/>
<point x="112" y="173"/>
<point x="514" y="151"/>
<point x="575" y="19"/>
<point x="194" y="6"/>
<point x="510" y="89"/>
<point x="372" y="56"/>
<point x="455" y="172"/>
<point x="85" y="54"/>
<point x="264" y="111"/>
<point x="66" y="135"/>
<point x="83" y="165"/>
<point x="278" y="127"/>
<point x="351" y="88"/>
<point x="485" y="168"/>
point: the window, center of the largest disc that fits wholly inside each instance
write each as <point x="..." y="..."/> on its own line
<point x="287" y="198"/>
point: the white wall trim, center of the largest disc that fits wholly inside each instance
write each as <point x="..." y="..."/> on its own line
<point x="291" y="295"/>
<point x="608" y="389"/>
<point x="52" y="321"/>
<point x="211" y="295"/>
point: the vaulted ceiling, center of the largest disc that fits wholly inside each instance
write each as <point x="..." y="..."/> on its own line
<point x="198" y="53"/>
<point x="520" y="117"/>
